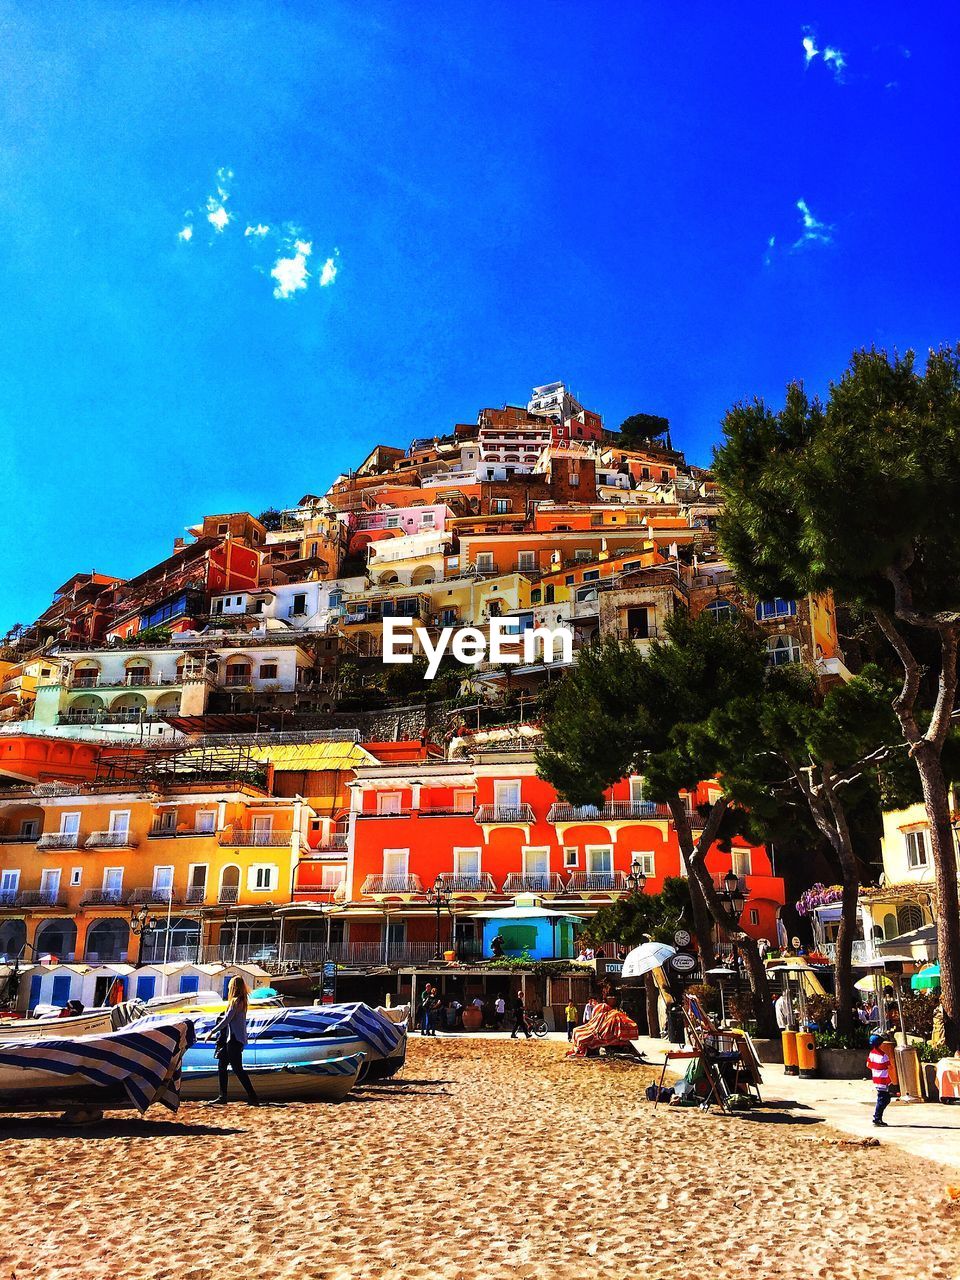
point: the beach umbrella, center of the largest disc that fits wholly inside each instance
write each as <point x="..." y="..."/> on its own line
<point x="647" y="957"/>
<point x="870" y="983"/>
<point x="927" y="979"/>
<point x="263" y="993"/>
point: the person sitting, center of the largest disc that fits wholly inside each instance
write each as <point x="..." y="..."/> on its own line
<point x="496" y="946"/>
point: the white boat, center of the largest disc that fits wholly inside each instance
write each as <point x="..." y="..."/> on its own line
<point x="92" y="1022"/>
<point x="327" y="1079"/>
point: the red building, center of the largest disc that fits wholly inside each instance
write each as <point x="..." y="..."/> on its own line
<point x="488" y="830"/>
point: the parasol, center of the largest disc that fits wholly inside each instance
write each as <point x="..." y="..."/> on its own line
<point x="647" y="957"/>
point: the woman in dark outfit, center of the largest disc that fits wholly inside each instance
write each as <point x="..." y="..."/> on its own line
<point x="231" y="1031"/>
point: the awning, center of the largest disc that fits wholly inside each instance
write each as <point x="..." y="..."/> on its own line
<point x="521" y="913"/>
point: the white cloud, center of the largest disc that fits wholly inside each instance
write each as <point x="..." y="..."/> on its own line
<point x="217" y="214"/>
<point x="814" y="231"/>
<point x="768" y="256"/>
<point x="832" y="57"/>
<point x="185" y="233"/>
<point x="291" y="274"/>
<point x="328" y="274"/>
<point x="260" y="230"/>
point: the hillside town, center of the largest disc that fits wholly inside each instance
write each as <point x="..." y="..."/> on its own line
<point x="217" y="740"/>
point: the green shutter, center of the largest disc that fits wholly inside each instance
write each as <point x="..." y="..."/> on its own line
<point x="518" y="937"/>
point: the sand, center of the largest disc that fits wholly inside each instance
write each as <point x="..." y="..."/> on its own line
<point x="485" y="1159"/>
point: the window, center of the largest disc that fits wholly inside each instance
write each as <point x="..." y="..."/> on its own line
<point x="574" y="479"/>
<point x="484" y="561"/>
<point x="916" y="842"/>
<point x="909" y="917"/>
<point x="648" y="863"/>
<point x="389" y="802"/>
<point x="506" y="795"/>
<point x="113" y="880"/>
<point x="526" y="561"/>
<point x="206" y="821"/>
<point x="740" y="863"/>
<point x="268" y="671"/>
<point x="782" y="650"/>
<point x="395" y="863"/>
<point x="600" y="860"/>
<point x="571" y="856"/>
<point x="536" y="862"/>
<point x="237" y="675"/>
<point x="591" y="575"/>
<point x="427" y="519"/>
<point x="466" y="862"/>
<point x="776" y="608"/>
<point x="500" y="506"/>
<point x="223" y="528"/>
<point x="754" y="916"/>
<point x="463" y="801"/>
<point x="330" y="877"/>
<point x="76" y="877"/>
<point x="9" y="880"/>
<point x="29" y="828"/>
<point x="120" y="822"/>
<point x="163" y="881"/>
<point x="721" y="610"/>
<point x="583" y="553"/>
<point x="448" y="617"/>
<point x="664" y="476"/>
<point x="262" y="877"/>
<point x="638" y="624"/>
<point x="69" y="824"/>
<point x="393" y="522"/>
<point x="299" y="605"/>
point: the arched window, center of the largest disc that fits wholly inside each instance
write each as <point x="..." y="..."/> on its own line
<point x="238" y="673"/>
<point x="782" y="649"/>
<point x="721" y="610"/>
<point x="909" y="917"/>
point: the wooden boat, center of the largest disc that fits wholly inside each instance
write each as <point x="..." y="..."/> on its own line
<point x="326" y="1079"/>
<point x="92" y="1022"/>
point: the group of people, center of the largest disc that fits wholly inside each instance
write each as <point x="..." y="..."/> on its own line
<point x="437" y="1013"/>
<point x="599" y="952"/>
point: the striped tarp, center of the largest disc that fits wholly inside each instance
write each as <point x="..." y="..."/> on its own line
<point x="146" y="1062"/>
<point x="308" y="1021"/>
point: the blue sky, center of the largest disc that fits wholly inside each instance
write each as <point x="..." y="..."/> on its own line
<point x="507" y="194"/>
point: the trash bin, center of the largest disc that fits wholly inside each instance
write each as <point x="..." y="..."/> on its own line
<point x="789" y="1039"/>
<point x="676" y="1027"/>
<point x="806" y="1054"/>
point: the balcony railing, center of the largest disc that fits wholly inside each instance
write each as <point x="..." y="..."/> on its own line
<point x="41" y="898"/>
<point x="168" y="833"/>
<point x="611" y="811"/>
<point x="490" y="814"/>
<point x="256" y="839"/>
<point x="391" y="884"/>
<point x="447" y="812"/>
<point x="17" y="837"/>
<point x="196" y="893"/>
<point x="482" y="882"/>
<point x="59" y="840"/>
<point x="336" y="842"/>
<point x="863" y="952"/>
<point x="596" y="882"/>
<point x="152" y="896"/>
<point x="228" y="895"/>
<point x="110" y="840"/>
<point x="8" y="897"/>
<point x="102" y="897"/>
<point x="533" y="882"/>
<point x="393" y="813"/>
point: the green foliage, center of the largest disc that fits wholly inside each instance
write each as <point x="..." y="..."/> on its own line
<point x="918" y="1010"/>
<point x="839" y="495"/>
<point x="855" y="1039"/>
<point x="708" y="995"/>
<point x="643" y="428"/>
<point x="525" y="963"/>
<point x="927" y="1052"/>
<point x="637" y="916"/>
<point x="271" y="519"/>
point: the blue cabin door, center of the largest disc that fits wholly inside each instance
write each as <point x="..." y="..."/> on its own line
<point x="146" y="986"/>
<point x="61" y="989"/>
<point x="189" y="982"/>
<point x="35" y="982"/>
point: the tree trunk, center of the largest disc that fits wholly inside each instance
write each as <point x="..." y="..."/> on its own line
<point x="942" y="840"/>
<point x="693" y="856"/>
<point x="702" y="922"/>
<point x="842" y="965"/>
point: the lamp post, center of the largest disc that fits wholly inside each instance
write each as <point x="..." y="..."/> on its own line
<point x="734" y="899"/>
<point x="636" y="880"/>
<point x="438" y="898"/>
<point x="142" y="925"/>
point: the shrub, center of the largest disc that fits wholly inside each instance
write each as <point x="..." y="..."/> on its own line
<point x="918" y="1013"/>
<point x="858" y="1039"/>
<point x="708" y="995"/>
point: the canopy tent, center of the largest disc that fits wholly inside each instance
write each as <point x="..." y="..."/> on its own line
<point x="522" y="913"/>
<point x="927" y="979"/>
<point x="869" y="983"/>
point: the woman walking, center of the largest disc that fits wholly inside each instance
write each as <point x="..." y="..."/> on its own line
<point x="231" y="1032"/>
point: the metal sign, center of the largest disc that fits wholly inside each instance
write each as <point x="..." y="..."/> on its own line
<point x="328" y="991"/>
<point x="682" y="938"/>
<point x="683" y="962"/>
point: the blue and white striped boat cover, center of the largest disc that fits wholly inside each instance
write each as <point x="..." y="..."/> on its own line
<point x="146" y="1062"/>
<point x="358" y="1020"/>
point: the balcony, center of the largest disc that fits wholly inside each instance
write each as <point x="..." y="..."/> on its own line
<point x="612" y="811"/>
<point x="597" y="882"/>
<point x="59" y="840"/>
<point x="391" y="813"/>
<point x="862" y="953"/>
<point x="228" y="895"/>
<point x="155" y="896"/>
<point x="391" y="884"/>
<point x="169" y="833"/>
<point x="492" y="814"/>
<point x="41" y="898"/>
<point x="8" y="897"/>
<point x="196" y="893"/>
<point x="110" y="840"/>
<point x="85" y="682"/>
<point x="450" y="812"/>
<point x="17" y="837"/>
<point x="102" y="898"/>
<point x="256" y="839"/>
<point x="452" y="882"/>
<point x="533" y="882"/>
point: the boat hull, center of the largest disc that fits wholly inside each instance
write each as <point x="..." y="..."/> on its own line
<point x="321" y="1080"/>
<point x="96" y="1022"/>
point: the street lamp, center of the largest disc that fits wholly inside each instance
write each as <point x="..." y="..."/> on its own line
<point x="734" y="899"/>
<point x="143" y="925"/>
<point x="438" y="898"/>
<point x="636" y="880"/>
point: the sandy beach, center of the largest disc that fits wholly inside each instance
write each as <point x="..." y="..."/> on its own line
<point x="484" y="1159"/>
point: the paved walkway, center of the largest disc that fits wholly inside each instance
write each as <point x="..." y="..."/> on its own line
<point x="928" y="1129"/>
